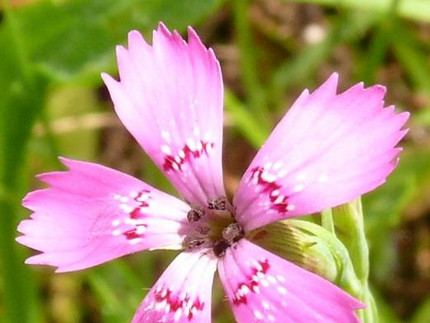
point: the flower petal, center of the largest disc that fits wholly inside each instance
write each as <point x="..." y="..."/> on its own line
<point x="92" y="214"/>
<point x="327" y="150"/>
<point x="170" y="98"/>
<point x="263" y="287"/>
<point x="182" y="293"/>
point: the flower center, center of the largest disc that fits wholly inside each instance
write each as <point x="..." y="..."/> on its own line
<point x="214" y="227"/>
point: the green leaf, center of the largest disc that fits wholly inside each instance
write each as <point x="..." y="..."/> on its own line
<point x="408" y="184"/>
<point x="299" y="69"/>
<point x="246" y="122"/>
<point x="414" y="9"/>
<point x="21" y="100"/>
<point x="411" y="54"/>
<point x="422" y="314"/>
<point x="75" y="40"/>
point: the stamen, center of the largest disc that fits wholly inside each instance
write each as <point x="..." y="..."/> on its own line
<point x="233" y="233"/>
<point x="220" y="203"/>
<point x="195" y="214"/>
<point x="196" y="239"/>
<point x="220" y="247"/>
<point x="191" y="242"/>
<point x="214" y="227"/>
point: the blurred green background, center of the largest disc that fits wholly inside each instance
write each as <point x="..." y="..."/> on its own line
<point x="52" y="103"/>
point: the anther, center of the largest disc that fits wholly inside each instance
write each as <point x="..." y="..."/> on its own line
<point x="195" y="214"/>
<point x="220" y="203"/>
<point x="193" y="241"/>
<point x="220" y="247"/>
<point x="233" y="233"/>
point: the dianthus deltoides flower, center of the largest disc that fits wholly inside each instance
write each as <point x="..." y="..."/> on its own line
<point x="328" y="149"/>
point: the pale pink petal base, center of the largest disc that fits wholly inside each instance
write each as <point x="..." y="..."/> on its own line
<point x="327" y="150"/>
<point x="182" y="293"/>
<point x="170" y="98"/>
<point x="92" y="214"/>
<point x="262" y="287"/>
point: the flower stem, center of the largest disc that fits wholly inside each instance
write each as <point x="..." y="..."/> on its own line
<point x="350" y="230"/>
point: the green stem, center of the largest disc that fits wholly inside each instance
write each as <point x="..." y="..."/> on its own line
<point x="350" y="230"/>
<point x="327" y="220"/>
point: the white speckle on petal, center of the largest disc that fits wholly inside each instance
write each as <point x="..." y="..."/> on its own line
<point x="134" y="194"/>
<point x="160" y="305"/>
<point x="323" y="178"/>
<point x="140" y="229"/>
<point x="267" y="165"/>
<point x="191" y="144"/>
<point x="165" y="135"/>
<point x="166" y="149"/>
<point x="271" y="318"/>
<point x="126" y="208"/>
<point x="135" y="241"/>
<point x="298" y="188"/>
<point x="207" y="136"/>
<point x="264" y="282"/>
<point x="282" y="290"/>
<point x="282" y="173"/>
<point x="269" y="178"/>
<point x="280" y="278"/>
<point x="186" y="311"/>
<point x="271" y="279"/>
<point x="258" y="315"/>
<point x="116" y="222"/>
<point x="266" y="305"/>
<point x="257" y="265"/>
<point x="277" y="165"/>
<point x="274" y="193"/>
<point x="116" y="232"/>
<point x="178" y="314"/>
<point x="279" y="199"/>
<point x="291" y="207"/>
<point x="196" y="131"/>
<point x="301" y="177"/>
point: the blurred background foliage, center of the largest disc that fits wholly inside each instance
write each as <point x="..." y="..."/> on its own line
<point x="52" y="102"/>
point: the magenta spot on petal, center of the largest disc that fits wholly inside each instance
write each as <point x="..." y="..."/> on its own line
<point x="186" y="155"/>
<point x="175" y="302"/>
<point x="251" y="285"/>
<point x="136" y="213"/>
<point x="132" y="226"/>
<point x="141" y="198"/>
<point x="133" y="234"/>
<point x="279" y="202"/>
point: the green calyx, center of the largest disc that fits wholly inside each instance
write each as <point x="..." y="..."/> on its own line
<point x="311" y="247"/>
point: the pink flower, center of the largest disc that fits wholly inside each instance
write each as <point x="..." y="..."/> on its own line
<point x="328" y="149"/>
